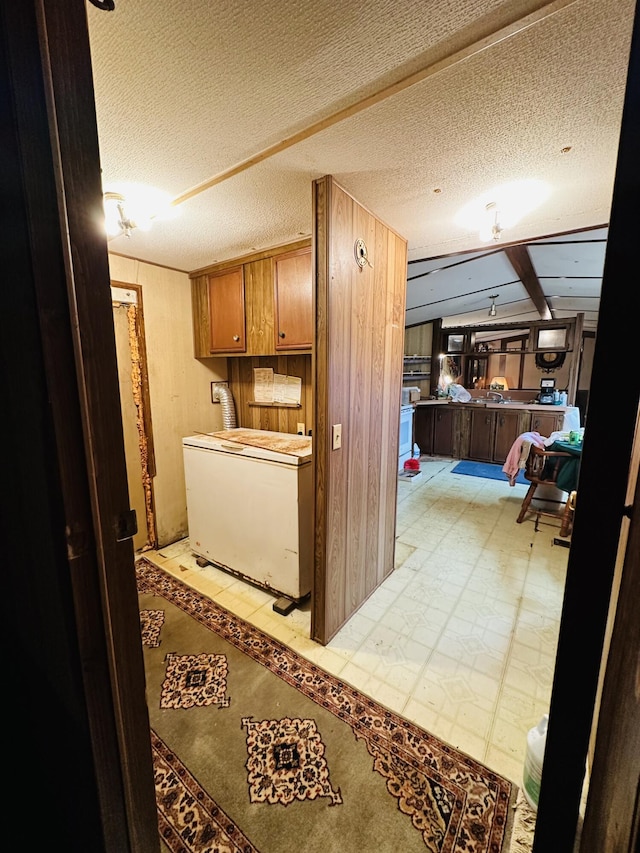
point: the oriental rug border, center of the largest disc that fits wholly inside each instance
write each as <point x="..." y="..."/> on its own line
<point x="454" y="801"/>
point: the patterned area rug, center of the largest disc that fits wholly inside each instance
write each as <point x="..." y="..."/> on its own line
<point x="247" y="733"/>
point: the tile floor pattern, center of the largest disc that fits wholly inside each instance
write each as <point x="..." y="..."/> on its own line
<point x="461" y="637"/>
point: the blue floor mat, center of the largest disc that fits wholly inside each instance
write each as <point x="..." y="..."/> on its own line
<point x="488" y="470"/>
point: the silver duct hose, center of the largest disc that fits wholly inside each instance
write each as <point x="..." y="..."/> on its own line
<point x="224" y="395"/>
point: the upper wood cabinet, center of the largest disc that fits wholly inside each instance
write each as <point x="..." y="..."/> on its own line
<point x="226" y="311"/>
<point x="261" y="304"/>
<point x="293" y="294"/>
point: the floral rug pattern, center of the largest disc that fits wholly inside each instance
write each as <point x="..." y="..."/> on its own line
<point x="192" y="680"/>
<point x="286" y="762"/>
<point x="456" y="803"/>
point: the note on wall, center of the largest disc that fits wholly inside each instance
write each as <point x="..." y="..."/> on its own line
<point x="263" y="384"/>
<point x="270" y="387"/>
<point x="287" y="389"/>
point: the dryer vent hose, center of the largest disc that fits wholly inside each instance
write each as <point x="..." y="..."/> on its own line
<point x="224" y="395"/>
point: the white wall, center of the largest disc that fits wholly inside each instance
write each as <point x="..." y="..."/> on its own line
<point x="179" y="384"/>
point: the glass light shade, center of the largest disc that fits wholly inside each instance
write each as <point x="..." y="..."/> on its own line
<point x="499" y="383"/>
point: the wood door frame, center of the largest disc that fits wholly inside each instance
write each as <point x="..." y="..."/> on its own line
<point x="147" y="451"/>
<point x="124" y="780"/>
<point x="599" y="513"/>
<point x="57" y="195"/>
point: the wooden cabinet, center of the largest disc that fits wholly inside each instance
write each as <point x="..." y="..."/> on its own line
<point x="226" y="312"/>
<point x="259" y="305"/>
<point x="477" y="432"/>
<point x="492" y="432"/>
<point x="443" y="431"/>
<point x="545" y="423"/>
<point x="509" y="425"/>
<point x="481" y="434"/>
<point x="423" y="428"/>
<point x="293" y="295"/>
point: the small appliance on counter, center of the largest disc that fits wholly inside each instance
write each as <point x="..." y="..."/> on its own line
<point x="547" y="388"/>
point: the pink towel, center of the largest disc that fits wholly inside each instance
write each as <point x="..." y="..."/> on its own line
<point x="517" y="456"/>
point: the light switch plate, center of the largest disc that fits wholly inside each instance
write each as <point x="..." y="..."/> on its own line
<point x="337" y="436"/>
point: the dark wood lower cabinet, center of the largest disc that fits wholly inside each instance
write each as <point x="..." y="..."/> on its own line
<point x="545" y="423"/>
<point x="485" y="435"/>
<point x="481" y="435"/>
<point x="443" y="437"/>
<point x="509" y="425"/>
<point x="423" y="428"/>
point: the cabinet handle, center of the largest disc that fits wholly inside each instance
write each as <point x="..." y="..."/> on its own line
<point x="236" y="338"/>
<point x="281" y="334"/>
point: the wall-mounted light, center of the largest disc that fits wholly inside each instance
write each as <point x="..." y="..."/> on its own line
<point x="492" y="310"/>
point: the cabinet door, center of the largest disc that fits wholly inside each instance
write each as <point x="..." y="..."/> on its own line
<point x="443" y="432"/>
<point x="424" y="428"/>
<point x="545" y="423"/>
<point x="293" y="301"/>
<point x="481" y="434"/>
<point x="226" y="310"/>
<point x="508" y="428"/>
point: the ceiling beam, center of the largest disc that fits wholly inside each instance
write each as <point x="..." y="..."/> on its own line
<point x="543" y="10"/>
<point x="520" y="260"/>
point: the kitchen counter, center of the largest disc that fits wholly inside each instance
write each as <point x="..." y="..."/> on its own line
<point x="534" y="407"/>
<point x="485" y="431"/>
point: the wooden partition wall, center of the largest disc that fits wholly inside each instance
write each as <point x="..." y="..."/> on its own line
<point x="358" y="358"/>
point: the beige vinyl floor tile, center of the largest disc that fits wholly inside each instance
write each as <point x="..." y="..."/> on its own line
<point x="461" y="638"/>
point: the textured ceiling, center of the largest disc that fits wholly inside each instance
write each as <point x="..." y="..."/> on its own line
<point x="186" y="91"/>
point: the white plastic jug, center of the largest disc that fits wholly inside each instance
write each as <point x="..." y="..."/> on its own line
<point x="532" y="773"/>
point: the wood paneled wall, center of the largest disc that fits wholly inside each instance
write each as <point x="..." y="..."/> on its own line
<point x="418" y="340"/>
<point x="277" y="418"/>
<point x="358" y="375"/>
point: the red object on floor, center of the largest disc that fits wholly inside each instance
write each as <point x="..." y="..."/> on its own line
<point x="412" y="465"/>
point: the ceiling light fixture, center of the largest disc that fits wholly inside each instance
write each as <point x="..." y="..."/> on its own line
<point x="491" y="228"/>
<point x="502" y="207"/>
<point x="116" y="220"/>
<point x="128" y="206"/>
<point x="492" y="310"/>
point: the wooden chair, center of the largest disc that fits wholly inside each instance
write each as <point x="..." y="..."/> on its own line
<point x="541" y="469"/>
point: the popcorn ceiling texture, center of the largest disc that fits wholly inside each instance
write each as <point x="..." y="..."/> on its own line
<point x="188" y="89"/>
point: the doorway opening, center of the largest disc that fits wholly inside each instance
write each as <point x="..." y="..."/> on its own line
<point x="128" y="321"/>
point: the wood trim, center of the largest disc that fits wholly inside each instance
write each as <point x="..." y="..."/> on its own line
<point x="114" y="686"/>
<point x="253" y="256"/>
<point x="200" y="316"/>
<point x="474" y="47"/>
<point x="597" y="524"/>
<point x="275" y="405"/>
<point x="322" y="232"/>
<point x="259" y="307"/>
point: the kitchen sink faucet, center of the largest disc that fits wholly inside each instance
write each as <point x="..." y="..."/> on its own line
<point x="498" y="395"/>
